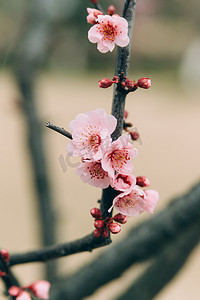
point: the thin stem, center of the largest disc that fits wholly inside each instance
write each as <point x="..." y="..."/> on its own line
<point x="87" y="243"/>
<point x="58" y="129"/>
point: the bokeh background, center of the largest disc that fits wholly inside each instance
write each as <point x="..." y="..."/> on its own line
<point x="165" y="47"/>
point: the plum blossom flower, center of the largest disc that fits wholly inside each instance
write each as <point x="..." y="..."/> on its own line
<point x="151" y="200"/>
<point x="108" y="31"/>
<point x="92" y="173"/>
<point x="117" y="158"/>
<point x="40" y="289"/>
<point x="130" y="203"/>
<point x="123" y="182"/>
<point x="23" y="296"/>
<point x="91" y="134"/>
<point x="92" y="15"/>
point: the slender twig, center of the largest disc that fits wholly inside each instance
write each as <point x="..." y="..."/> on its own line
<point x="87" y="243"/>
<point x="58" y="129"/>
<point x="166" y="265"/>
<point x="9" y="279"/>
<point x="99" y="7"/>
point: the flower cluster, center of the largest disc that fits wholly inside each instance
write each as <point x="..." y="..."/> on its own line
<point x="106" y="162"/>
<point x="39" y="289"/>
<point x="107" y="30"/>
<point x="103" y="226"/>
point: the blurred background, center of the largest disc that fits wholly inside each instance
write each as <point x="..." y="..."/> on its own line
<point x="45" y="43"/>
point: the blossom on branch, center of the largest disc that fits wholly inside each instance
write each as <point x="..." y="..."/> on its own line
<point x="92" y="173"/>
<point x="92" y="15"/>
<point x="130" y="203"/>
<point x="91" y="134"/>
<point x="108" y="31"/>
<point x="117" y="157"/>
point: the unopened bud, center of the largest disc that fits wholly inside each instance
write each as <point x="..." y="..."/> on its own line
<point x="125" y="114"/>
<point x="114" y="227"/>
<point x="116" y="79"/>
<point x="5" y="255"/>
<point x="134" y="135"/>
<point x="105" y="83"/>
<point x="94" y="1"/>
<point x="122" y="219"/>
<point x="127" y="125"/>
<point x="14" y="291"/>
<point x="104" y="233"/>
<point x="2" y="273"/>
<point x="97" y="232"/>
<point x="123" y="85"/>
<point x="96" y="213"/>
<point x="142" y="181"/>
<point x="111" y="10"/>
<point x="129" y="84"/>
<point x="99" y="224"/>
<point x="144" y="83"/>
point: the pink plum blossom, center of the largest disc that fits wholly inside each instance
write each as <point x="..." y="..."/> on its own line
<point x="92" y="15"/>
<point x="117" y="157"/>
<point x="108" y="31"/>
<point x="91" y="134"/>
<point x="40" y="289"/>
<point x="151" y="200"/>
<point x="92" y="173"/>
<point x="130" y="203"/>
<point x="23" y="296"/>
<point x="123" y="182"/>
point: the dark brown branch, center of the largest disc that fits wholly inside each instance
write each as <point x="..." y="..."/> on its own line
<point x="87" y="243"/>
<point x="141" y="243"/>
<point x="167" y="264"/>
<point x="29" y="58"/>
<point x="58" y="129"/>
<point x="122" y="66"/>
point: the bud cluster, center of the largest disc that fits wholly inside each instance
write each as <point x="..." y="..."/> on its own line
<point x="133" y="134"/>
<point x="5" y="259"/>
<point x="125" y="83"/>
<point x="102" y="227"/>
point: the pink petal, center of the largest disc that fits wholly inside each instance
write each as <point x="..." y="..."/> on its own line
<point x="23" y="296"/>
<point x="40" y="289"/>
<point x="151" y="200"/>
<point x="93" y="35"/>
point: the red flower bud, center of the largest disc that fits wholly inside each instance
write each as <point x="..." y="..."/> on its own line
<point x="5" y="255"/>
<point x="104" y="233"/>
<point x="14" y="291"/>
<point x="116" y="79"/>
<point x="96" y="213"/>
<point x="94" y="1"/>
<point x="144" y="83"/>
<point x="105" y="83"/>
<point x="123" y="84"/>
<point x="125" y="114"/>
<point x="2" y="273"/>
<point x="111" y="10"/>
<point x="122" y="219"/>
<point x="99" y="224"/>
<point x="134" y="135"/>
<point x="129" y="83"/>
<point x="142" y="181"/>
<point x="97" y="232"/>
<point x="114" y="227"/>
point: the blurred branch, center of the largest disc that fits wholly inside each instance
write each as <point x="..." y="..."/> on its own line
<point x="30" y="57"/>
<point x="87" y="243"/>
<point x="58" y="129"/>
<point x="141" y="243"/>
<point x="167" y="264"/>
